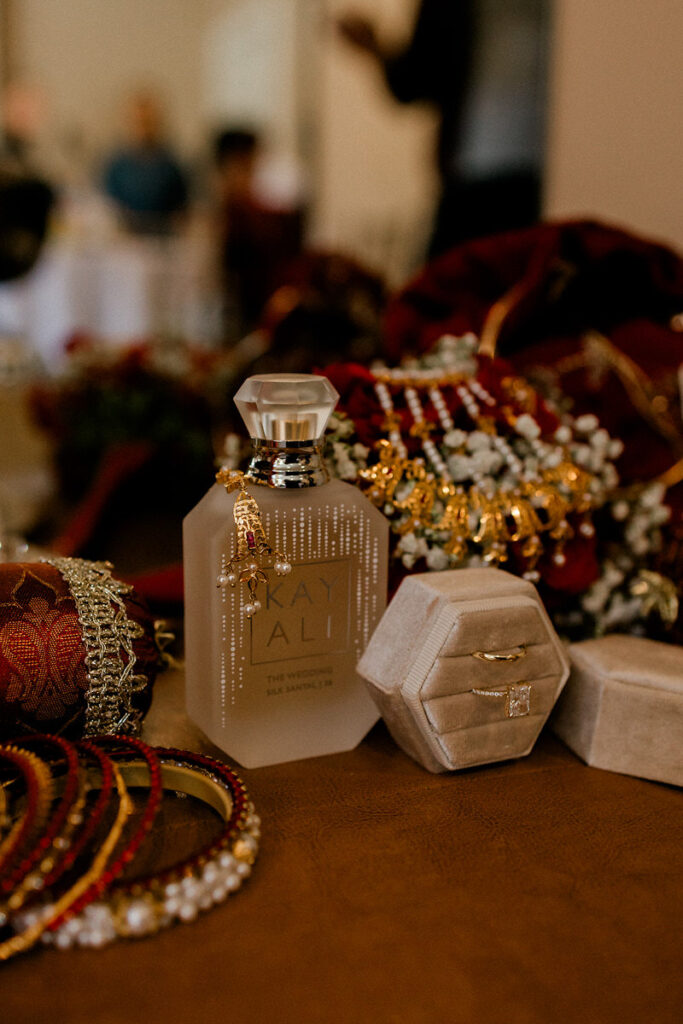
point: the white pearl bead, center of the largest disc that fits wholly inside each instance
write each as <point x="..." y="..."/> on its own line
<point x="206" y="900"/>
<point x="233" y="882"/>
<point x="249" y="610"/>
<point x="191" y="887"/>
<point x="188" y="912"/>
<point x="243" y="870"/>
<point x="219" y="892"/>
<point x="172" y="905"/>
<point x="226" y="860"/>
<point x="210" y="873"/>
<point x="140" y="917"/>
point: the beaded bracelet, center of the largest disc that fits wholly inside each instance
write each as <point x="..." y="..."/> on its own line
<point x="40" y="860"/>
<point x="95" y="814"/>
<point x="32" y="924"/>
<point x="38" y="788"/>
<point x="195" y="884"/>
<point x="152" y="779"/>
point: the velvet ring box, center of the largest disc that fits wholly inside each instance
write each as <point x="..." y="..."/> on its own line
<point x="465" y="667"/>
<point x="622" y="708"/>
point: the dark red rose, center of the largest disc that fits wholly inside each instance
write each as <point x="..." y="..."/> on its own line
<point x="579" y="570"/>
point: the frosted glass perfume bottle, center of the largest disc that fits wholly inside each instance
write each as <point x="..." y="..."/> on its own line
<point x="282" y="684"/>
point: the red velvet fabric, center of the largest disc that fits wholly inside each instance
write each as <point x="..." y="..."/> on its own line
<point x="571" y="276"/>
<point x="43" y="679"/>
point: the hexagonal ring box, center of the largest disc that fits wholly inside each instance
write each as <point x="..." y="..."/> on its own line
<point x="465" y="667"/>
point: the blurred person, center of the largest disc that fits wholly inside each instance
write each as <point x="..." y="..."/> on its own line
<point x="481" y="63"/>
<point x="26" y="198"/>
<point x="144" y="178"/>
<point x="23" y="114"/>
<point x="257" y="238"/>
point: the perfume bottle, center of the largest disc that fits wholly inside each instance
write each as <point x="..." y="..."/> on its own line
<point x="271" y="651"/>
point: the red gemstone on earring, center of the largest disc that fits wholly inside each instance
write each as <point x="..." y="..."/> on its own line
<point x="251" y="540"/>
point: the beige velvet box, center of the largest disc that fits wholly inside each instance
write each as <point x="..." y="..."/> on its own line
<point x="622" y="708"/>
<point x="465" y="667"/>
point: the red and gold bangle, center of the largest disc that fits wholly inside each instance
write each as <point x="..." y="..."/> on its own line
<point x="29" y="874"/>
<point x="31" y="924"/>
<point x="95" y="814"/>
<point x="152" y="804"/>
<point x="38" y="790"/>
<point x="142" y="907"/>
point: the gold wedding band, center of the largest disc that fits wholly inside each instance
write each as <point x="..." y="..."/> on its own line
<point x="489" y="656"/>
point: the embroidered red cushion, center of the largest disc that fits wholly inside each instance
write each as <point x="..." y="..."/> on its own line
<point x="44" y="679"/>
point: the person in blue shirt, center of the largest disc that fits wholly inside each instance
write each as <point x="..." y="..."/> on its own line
<point x="144" y="178"/>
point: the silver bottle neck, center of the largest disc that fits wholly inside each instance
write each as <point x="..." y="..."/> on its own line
<point x="287" y="464"/>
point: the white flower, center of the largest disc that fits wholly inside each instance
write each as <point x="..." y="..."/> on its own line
<point x="660" y="515"/>
<point x="587" y="423"/>
<point x="409" y="544"/>
<point x="620" y="510"/>
<point x="653" y="495"/>
<point x="640" y="545"/>
<point x="455" y="438"/>
<point x="437" y="559"/>
<point x="360" y="452"/>
<point x="563" y="435"/>
<point x="340" y="425"/>
<point x="552" y="459"/>
<point x="594" y="599"/>
<point x="478" y="440"/>
<point x="346" y="469"/>
<point x="527" y="426"/>
<point x="460" y="467"/>
<point x="600" y="440"/>
<point x="486" y="461"/>
<point x="610" y="477"/>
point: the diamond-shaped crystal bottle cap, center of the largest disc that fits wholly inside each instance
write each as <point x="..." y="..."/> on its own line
<point x="286" y="406"/>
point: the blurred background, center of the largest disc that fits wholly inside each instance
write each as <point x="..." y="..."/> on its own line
<point x="194" y="189"/>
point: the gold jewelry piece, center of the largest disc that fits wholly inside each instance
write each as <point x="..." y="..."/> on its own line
<point x="517" y="698"/>
<point x="180" y="892"/>
<point x="423" y="490"/>
<point x="253" y="554"/>
<point x="30" y="935"/>
<point x="108" y="636"/>
<point x="492" y="656"/>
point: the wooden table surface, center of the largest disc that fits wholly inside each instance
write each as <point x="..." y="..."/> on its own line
<point x="533" y="892"/>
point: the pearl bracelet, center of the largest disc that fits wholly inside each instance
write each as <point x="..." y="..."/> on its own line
<point x="142" y="907"/>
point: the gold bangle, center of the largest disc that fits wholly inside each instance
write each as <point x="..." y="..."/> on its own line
<point x="49" y="913"/>
<point x="144" y="906"/>
<point x="492" y="656"/>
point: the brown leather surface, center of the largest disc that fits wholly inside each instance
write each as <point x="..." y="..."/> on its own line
<point x="534" y="892"/>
